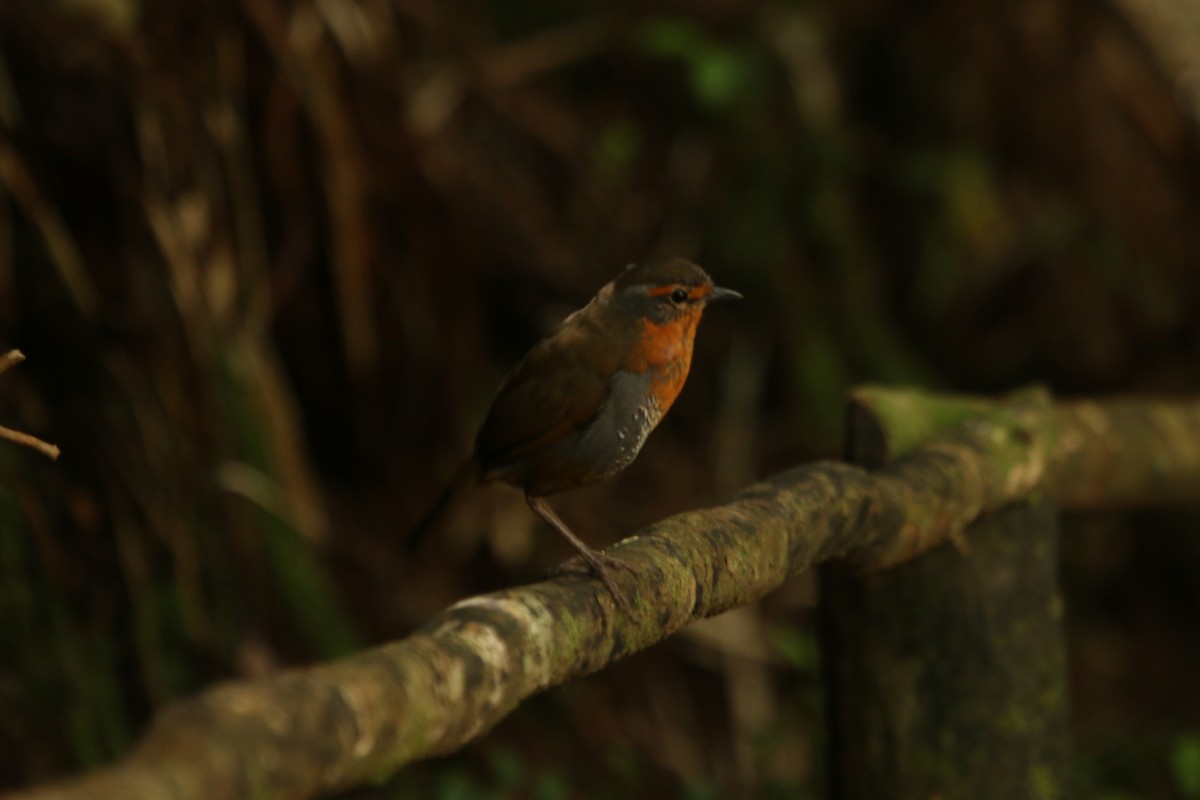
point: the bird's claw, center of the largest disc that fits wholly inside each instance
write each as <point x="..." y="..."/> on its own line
<point x="602" y="566"/>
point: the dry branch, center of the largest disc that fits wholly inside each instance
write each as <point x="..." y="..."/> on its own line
<point x="360" y="719"/>
<point x="8" y="361"/>
<point x="50" y="451"/>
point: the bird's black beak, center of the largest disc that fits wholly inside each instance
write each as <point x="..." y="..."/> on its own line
<point x="719" y="293"/>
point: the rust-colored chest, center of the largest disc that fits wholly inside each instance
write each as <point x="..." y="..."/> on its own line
<point x="582" y="403"/>
<point x="664" y="350"/>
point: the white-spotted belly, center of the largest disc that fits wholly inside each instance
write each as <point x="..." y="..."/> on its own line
<point x="617" y="434"/>
<point x="632" y="435"/>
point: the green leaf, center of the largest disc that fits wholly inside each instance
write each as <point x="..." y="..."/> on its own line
<point x="1185" y="765"/>
<point x="719" y="76"/>
<point x="669" y="37"/>
<point x="798" y="648"/>
<point x="507" y="769"/>
<point x="717" y="73"/>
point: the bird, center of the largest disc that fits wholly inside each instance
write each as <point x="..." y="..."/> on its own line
<point x="577" y="408"/>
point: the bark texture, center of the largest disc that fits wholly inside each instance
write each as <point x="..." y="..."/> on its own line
<point x="946" y="676"/>
<point x="361" y="718"/>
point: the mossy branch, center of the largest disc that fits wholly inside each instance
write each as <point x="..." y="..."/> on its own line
<point x="361" y="718"/>
<point x="946" y="677"/>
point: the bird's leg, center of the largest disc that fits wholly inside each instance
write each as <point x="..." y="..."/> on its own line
<point x="600" y="563"/>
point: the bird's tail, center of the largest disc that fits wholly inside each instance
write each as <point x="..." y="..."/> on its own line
<point x="464" y="478"/>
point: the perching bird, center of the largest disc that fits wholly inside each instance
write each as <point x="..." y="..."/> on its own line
<point x="578" y="407"/>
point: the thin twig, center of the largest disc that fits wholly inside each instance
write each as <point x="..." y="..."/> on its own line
<point x="60" y="243"/>
<point x="51" y="451"/>
<point x="10" y="359"/>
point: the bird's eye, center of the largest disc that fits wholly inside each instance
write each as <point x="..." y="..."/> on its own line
<point x="679" y="296"/>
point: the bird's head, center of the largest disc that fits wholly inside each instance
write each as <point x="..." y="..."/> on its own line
<point x="666" y="290"/>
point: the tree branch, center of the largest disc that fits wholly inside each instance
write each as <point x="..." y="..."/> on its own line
<point x="7" y="361"/>
<point x="361" y="718"/>
<point x="910" y="728"/>
<point x="10" y="359"/>
<point x="51" y="451"/>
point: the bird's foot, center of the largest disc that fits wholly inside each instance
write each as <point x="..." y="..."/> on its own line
<point x="602" y="566"/>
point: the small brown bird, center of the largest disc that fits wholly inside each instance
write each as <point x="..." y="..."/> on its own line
<point x="578" y="407"/>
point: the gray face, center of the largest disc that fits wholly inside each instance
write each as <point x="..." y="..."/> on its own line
<point x="637" y="300"/>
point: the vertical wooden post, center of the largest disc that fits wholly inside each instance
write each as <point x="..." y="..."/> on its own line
<point x="946" y="675"/>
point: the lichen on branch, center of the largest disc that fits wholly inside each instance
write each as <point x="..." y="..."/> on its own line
<point x="362" y="718"/>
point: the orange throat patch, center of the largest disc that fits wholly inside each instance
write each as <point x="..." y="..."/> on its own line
<point x="666" y="350"/>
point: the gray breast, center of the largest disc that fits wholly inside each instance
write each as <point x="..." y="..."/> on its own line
<point x="613" y="440"/>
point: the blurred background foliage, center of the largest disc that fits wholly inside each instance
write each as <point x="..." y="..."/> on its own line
<point x="270" y="258"/>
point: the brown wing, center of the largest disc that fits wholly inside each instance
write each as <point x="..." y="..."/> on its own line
<point x="557" y="389"/>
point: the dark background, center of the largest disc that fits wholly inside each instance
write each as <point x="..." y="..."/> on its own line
<point x="269" y="259"/>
